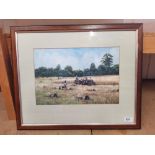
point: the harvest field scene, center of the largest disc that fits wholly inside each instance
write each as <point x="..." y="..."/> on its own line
<point x="77" y="76"/>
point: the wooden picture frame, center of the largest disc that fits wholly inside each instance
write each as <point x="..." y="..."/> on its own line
<point x="35" y="36"/>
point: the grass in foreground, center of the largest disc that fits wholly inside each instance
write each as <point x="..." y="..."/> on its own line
<point x="106" y="91"/>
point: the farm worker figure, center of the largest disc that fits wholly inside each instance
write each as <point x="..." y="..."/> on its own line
<point x="65" y="83"/>
<point x="77" y="77"/>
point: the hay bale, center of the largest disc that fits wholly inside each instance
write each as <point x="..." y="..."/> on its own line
<point x="55" y="95"/>
<point x="86" y="97"/>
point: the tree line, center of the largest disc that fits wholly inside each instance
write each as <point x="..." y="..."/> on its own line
<point x="105" y="68"/>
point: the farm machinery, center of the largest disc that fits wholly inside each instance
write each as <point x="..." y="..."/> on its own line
<point x="85" y="81"/>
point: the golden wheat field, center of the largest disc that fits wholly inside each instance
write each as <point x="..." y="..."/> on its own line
<point x="105" y="91"/>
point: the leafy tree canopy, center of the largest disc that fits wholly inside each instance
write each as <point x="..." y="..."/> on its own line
<point x="105" y="68"/>
<point x="107" y="60"/>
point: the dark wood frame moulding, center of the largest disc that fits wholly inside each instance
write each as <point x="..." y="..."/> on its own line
<point x="79" y="28"/>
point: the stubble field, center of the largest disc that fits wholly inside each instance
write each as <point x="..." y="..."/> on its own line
<point x="105" y="91"/>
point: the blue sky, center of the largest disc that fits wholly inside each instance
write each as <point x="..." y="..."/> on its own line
<point x="78" y="58"/>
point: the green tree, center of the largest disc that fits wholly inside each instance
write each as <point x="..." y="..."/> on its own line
<point x="79" y="73"/>
<point x="86" y="72"/>
<point x="41" y="72"/>
<point x="116" y="69"/>
<point x="58" y="67"/>
<point x="107" y="60"/>
<point x="92" y="69"/>
<point x="69" y="70"/>
<point x="57" y="70"/>
<point x="51" y="71"/>
<point x="101" y="70"/>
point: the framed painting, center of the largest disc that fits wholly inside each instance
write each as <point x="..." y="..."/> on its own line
<point x="77" y="76"/>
